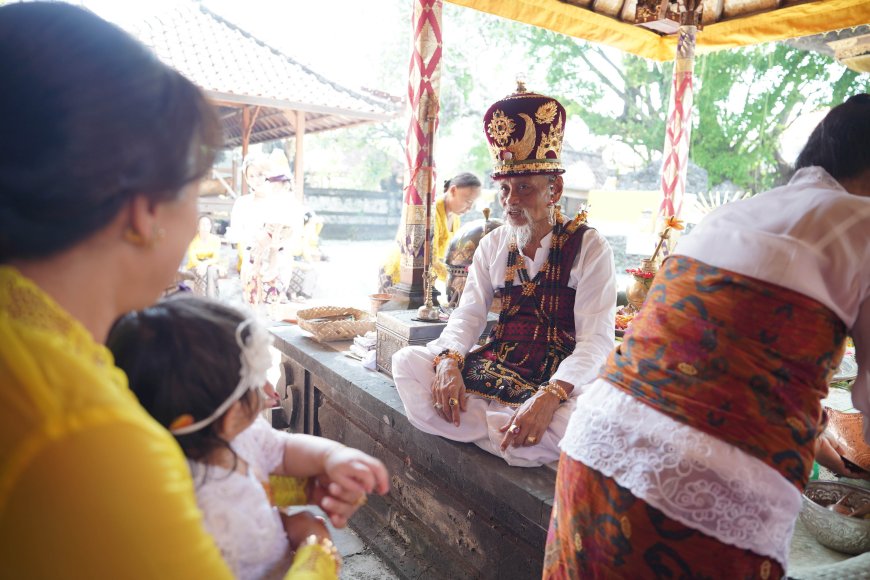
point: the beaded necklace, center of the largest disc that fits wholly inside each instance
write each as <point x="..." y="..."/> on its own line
<point x="547" y="278"/>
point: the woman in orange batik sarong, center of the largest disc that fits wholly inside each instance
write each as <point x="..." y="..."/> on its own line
<point x="693" y="446"/>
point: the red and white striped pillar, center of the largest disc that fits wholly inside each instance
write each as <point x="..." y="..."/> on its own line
<point x="678" y="130"/>
<point x="424" y="88"/>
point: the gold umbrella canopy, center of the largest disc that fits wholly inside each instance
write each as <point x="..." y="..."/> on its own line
<point x="726" y="23"/>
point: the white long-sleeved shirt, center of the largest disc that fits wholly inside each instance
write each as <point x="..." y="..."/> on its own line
<point x="810" y="236"/>
<point x="592" y="277"/>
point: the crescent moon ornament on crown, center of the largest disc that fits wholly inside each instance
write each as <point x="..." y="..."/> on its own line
<point x="525" y="131"/>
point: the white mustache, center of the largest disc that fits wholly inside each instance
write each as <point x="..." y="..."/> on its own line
<point x="523" y="211"/>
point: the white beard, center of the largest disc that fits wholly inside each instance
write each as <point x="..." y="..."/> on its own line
<point x="522" y="234"/>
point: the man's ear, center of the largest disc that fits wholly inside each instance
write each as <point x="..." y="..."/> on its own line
<point x="556" y="188"/>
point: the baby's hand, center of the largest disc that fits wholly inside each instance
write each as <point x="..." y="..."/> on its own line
<point x="356" y="471"/>
<point x="350" y="476"/>
<point x="301" y="525"/>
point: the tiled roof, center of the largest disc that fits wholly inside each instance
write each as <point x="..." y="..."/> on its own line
<point x="232" y="66"/>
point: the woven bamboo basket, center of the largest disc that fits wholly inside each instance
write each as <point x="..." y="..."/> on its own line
<point x="328" y="323"/>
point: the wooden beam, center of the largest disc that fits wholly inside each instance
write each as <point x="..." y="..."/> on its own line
<point x="248" y="121"/>
<point x="227" y="99"/>
<point x="291" y="118"/>
<point x="246" y="134"/>
<point x="298" y="166"/>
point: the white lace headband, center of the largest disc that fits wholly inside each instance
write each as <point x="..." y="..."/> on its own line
<point x="256" y="361"/>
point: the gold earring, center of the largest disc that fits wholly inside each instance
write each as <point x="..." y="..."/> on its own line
<point x="137" y="239"/>
<point x="133" y="237"/>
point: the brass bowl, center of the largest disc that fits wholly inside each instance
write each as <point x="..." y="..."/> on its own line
<point x="378" y="301"/>
<point x="836" y="531"/>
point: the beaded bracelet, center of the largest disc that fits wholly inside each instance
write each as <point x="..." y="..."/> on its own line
<point x="327" y="545"/>
<point x="447" y="353"/>
<point x="556" y="390"/>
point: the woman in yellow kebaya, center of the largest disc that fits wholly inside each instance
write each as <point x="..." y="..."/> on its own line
<point x="460" y="193"/>
<point x="203" y="258"/>
<point x="98" y="203"/>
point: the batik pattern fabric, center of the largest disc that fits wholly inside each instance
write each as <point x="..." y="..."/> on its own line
<point x="535" y="331"/>
<point x="599" y="529"/>
<point x="740" y="359"/>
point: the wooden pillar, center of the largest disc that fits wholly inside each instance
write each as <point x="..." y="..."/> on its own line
<point x="298" y="163"/>
<point x="424" y="86"/>
<point x="246" y="135"/>
<point x="248" y="120"/>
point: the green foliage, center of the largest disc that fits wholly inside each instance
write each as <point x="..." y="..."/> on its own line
<point x="744" y="100"/>
<point x="747" y="98"/>
<point x="618" y="96"/>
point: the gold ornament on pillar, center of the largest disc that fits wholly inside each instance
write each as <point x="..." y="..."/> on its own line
<point x="428" y="311"/>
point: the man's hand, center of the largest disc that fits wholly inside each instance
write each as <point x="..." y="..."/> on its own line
<point x="530" y="421"/>
<point x="448" y="387"/>
<point x="828" y="455"/>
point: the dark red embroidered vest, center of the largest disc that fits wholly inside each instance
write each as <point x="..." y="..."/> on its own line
<point x="535" y="332"/>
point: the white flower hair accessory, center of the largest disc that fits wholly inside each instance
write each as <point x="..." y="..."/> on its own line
<point x="256" y="361"/>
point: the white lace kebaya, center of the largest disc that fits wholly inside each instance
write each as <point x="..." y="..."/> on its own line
<point x="694" y="478"/>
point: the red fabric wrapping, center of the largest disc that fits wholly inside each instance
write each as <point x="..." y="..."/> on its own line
<point x="600" y="530"/>
<point x="740" y="359"/>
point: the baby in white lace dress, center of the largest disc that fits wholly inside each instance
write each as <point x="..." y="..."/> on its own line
<point x="199" y="367"/>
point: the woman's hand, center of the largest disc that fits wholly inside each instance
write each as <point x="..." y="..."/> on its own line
<point x="338" y="503"/>
<point x="349" y="476"/>
<point x="448" y="387"/>
<point x="301" y="525"/>
<point x="530" y="421"/>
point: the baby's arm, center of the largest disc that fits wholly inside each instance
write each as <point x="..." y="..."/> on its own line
<point x="343" y="475"/>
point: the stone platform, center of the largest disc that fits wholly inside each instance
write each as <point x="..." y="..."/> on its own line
<point x="453" y="511"/>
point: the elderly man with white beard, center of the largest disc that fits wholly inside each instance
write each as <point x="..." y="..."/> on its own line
<point x="513" y="396"/>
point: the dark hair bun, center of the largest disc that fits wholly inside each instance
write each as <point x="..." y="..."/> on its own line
<point x="839" y="143"/>
<point x="96" y="118"/>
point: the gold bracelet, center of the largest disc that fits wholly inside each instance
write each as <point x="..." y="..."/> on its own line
<point x="556" y="390"/>
<point x="327" y="545"/>
<point x="451" y="354"/>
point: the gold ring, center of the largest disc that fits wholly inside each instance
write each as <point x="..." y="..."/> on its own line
<point x="452" y="401"/>
<point x="361" y="501"/>
<point x="514" y="429"/>
<point x="531" y="439"/>
<point x="438" y="406"/>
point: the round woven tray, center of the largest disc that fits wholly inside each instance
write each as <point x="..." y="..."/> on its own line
<point x="328" y="323"/>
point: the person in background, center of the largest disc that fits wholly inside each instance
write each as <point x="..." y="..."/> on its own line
<point x="267" y="225"/>
<point x="199" y="368"/>
<point x="203" y="259"/>
<point x="459" y="196"/>
<point x="688" y="455"/>
<point x="98" y="203"/>
<point x="513" y="396"/>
